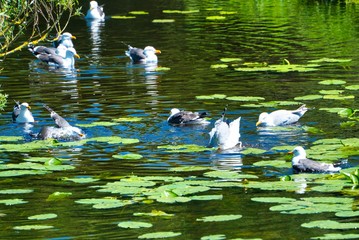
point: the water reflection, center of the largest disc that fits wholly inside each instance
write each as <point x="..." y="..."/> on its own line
<point x="95" y="27"/>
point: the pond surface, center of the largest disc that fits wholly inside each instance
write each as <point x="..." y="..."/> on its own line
<point x="129" y="104"/>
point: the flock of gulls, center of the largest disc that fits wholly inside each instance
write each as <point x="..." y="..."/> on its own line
<point x="227" y="134"/>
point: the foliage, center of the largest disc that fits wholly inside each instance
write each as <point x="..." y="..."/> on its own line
<point x="35" y="19"/>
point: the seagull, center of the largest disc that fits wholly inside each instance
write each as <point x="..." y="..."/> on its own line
<point x="300" y="163"/>
<point x="179" y="117"/>
<point x="138" y="55"/>
<point x="62" y="58"/>
<point x="227" y="135"/>
<point x="95" y="11"/>
<point x="281" y="117"/>
<point x="21" y="113"/>
<point x="62" y="131"/>
<point x="64" y="40"/>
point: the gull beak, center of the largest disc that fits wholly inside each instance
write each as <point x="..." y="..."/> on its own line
<point x="28" y="107"/>
<point x="158" y="51"/>
<point x="290" y="152"/>
<point x="73" y="37"/>
<point x="258" y="123"/>
<point x="77" y="56"/>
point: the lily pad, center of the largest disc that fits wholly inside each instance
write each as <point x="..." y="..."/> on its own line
<point x="15" y="173"/>
<point x="252" y="151"/>
<point x="14" y="201"/>
<point x="213" y="96"/>
<point x="273" y="163"/>
<point x="57" y="196"/>
<point x="156" y="235"/>
<point x="214" y="237"/>
<point x="184" y="148"/>
<point x="163" y="20"/>
<point x="330" y="60"/>
<point x="181" y="11"/>
<point x="245" y="98"/>
<point x="81" y="179"/>
<point x="133" y="224"/>
<point x="273" y="199"/>
<point x="155" y="213"/>
<point x="352" y="87"/>
<point x="216" y="66"/>
<point x="216" y="18"/>
<point x="228" y="175"/>
<point x="207" y="197"/>
<point x="104" y="203"/>
<point x="331" y="92"/>
<point x="138" y="12"/>
<point x="332" y="82"/>
<point x="15" y="191"/>
<point x="308" y="97"/>
<point x="10" y="138"/>
<point x="43" y="216"/>
<point x="123" y="17"/>
<point x="231" y="60"/>
<point x="97" y="124"/>
<point x="347" y="214"/>
<point x="114" y="140"/>
<point x="188" y="169"/>
<point x="33" y="227"/>
<point x="336" y="236"/>
<point x="219" y="218"/>
<point x="329" y="224"/>
<point x="132" y="156"/>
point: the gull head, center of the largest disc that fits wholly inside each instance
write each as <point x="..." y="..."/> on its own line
<point x="149" y="50"/>
<point x="24" y="106"/>
<point x="299" y="151"/>
<point x="174" y="111"/>
<point x="93" y="4"/>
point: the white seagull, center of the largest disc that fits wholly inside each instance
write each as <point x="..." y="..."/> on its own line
<point x="300" y="163"/>
<point x="138" y="55"/>
<point x="227" y="135"/>
<point x="95" y="11"/>
<point x="281" y="117"/>
<point x="21" y="113"/>
<point x="62" y="131"/>
<point x="179" y="117"/>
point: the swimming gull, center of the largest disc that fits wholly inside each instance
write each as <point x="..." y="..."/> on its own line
<point x="300" y="163"/>
<point x="227" y="134"/>
<point x="21" y="113"/>
<point x="62" y="131"/>
<point x="179" y="117"/>
<point x="95" y="11"/>
<point x="64" y="40"/>
<point x="281" y="117"/>
<point x="63" y="58"/>
<point x="138" y="55"/>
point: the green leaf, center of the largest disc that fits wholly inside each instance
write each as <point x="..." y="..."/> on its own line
<point x="43" y="216"/>
<point x="81" y="179"/>
<point x="330" y="60"/>
<point x="56" y="196"/>
<point x="188" y="169"/>
<point x="219" y="218"/>
<point x="33" y="227"/>
<point x="214" y="237"/>
<point x="308" y="97"/>
<point x="207" y="197"/>
<point x="132" y="156"/>
<point x="10" y="138"/>
<point x="14" y="201"/>
<point x="180" y="11"/>
<point x="273" y="199"/>
<point x="184" y="148"/>
<point x="329" y="224"/>
<point x="352" y="87"/>
<point x="132" y="224"/>
<point x="163" y="20"/>
<point x="338" y="97"/>
<point x="138" y="13"/>
<point x="97" y="124"/>
<point x="154" y="213"/>
<point x="336" y="236"/>
<point x="245" y="98"/>
<point x="224" y="174"/>
<point x="252" y="151"/>
<point x="347" y="214"/>
<point x="15" y="191"/>
<point x="216" y="18"/>
<point x="156" y="235"/>
<point x="332" y="82"/>
<point x="231" y="59"/>
<point x="273" y="163"/>
<point x="216" y="66"/>
<point x="123" y="17"/>
<point x="331" y="92"/>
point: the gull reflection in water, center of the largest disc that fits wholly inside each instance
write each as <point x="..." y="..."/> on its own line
<point x="95" y="27"/>
<point x="230" y="159"/>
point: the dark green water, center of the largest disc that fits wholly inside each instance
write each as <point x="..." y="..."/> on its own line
<point x="106" y="86"/>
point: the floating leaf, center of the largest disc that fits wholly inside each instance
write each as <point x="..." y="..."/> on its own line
<point x="162" y="69"/>
<point x="280" y="68"/>
<point x="329" y="224"/>
<point x="180" y="11"/>
<point x="123" y="17"/>
<point x="15" y="191"/>
<point x="216" y="66"/>
<point x="273" y="163"/>
<point x="188" y="169"/>
<point x="336" y="236"/>
<point x="132" y="156"/>
<point x="249" y="151"/>
<point x="219" y="218"/>
<point x="33" y="227"/>
<point x="214" y="237"/>
<point x="138" y="12"/>
<point x="338" y="97"/>
<point x="332" y="82"/>
<point x="213" y="96"/>
<point x="12" y="201"/>
<point x="104" y="203"/>
<point x="308" y="97"/>
<point x="207" y="197"/>
<point x="331" y="92"/>
<point x="15" y="173"/>
<point x="184" y="148"/>
<point x="332" y="110"/>
<point x="163" y="20"/>
<point x="347" y="214"/>
<point x="245" y="98"/>
<point x="231" y="59"/>
<point x="114" y="140"/>
<point x="81" y="179"/>
<point x="228" y="175"/>
<point x="330" y="60"/>
<point x="215" y="18"/>
<point x="352" y="87"/>
<point x="155" y="235"/>
<point x="43" y="216"/>
<point x="132" y="224"/>
<point x="227" y="12"/>
<point x="273" y="199"/>
<point x="154" y="213"/>
<point x="56" y="196"/>
<point x="10" y="138"/>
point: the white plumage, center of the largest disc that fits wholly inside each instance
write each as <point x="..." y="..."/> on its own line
<point x="227" y="135"/>
<point x="281" y="117"/>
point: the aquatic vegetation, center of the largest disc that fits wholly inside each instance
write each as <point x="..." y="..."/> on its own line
<point x="156" y="235"/>
<point x="184" y="148"/>
<point x="330" y="224"/>
<point x="219" y="218"/>
<point x="43" y="216"/>
<point x="215" y="18"/>
<point x="33" y="227"/>
<point x="163" y="20"/>
<point x="332" y="82"/>
<point x="133" y="224"/>
<point x="181" y="11"/>
<point x="213" y="96"/>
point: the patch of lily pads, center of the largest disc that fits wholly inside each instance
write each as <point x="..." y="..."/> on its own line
<point x="184" y="148"/>
<point x="211" y="97"/>
<point x="44" y="216"/>
<point x="280" y="68"/>
<point x="33" y="227"/>
<point x="220" y="218"/>
<point x="134" y="224"/>
<point x="157" y="235"/>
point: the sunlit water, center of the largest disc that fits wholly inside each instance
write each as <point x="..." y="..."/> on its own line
<point x="106" y="86"/>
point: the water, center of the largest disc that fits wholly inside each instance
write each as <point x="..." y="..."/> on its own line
<point x="105" y="86"/>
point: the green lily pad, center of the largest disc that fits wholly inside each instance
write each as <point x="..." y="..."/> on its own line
<point x="81" y="179"/>
<point x="216" y="66"/>
<point x="214" y="237"/>
<point x="338" y="97"/>
<point x="132" y="156"/>
<point x="138" y="12"/>
<point x="57" y="196"/>
<point x="231" y="60"/>
<point x="228" y="175"/>
<point x="347" y="214"/>
<point x="207" y="197"/>
<point x="336" y="236"/>
<point x="273" y="163"/>
<point x="181" y="11"/>
<point x="213" y="96"/>
<point x="330" y="60"/>
<point x="252" y="151"/>
<point x="273" y="199"/>
<point x="15" y="191"/>
<point x="132" y="224"/>
<point x="43" y="216"/>
<point x="280" y="68"/>
<point x="188" y="169"/>
<point x="15" y="173"/>
<point x="331" y="92"/>
<point x="33" y="227"/>
<point x="332" y="82"/>
<point x="104" y="203"/>
<point x="14" y="201"/>
<point x="308" y="97"/>
<point x="154" y="213"/>
<point x="114" y="140"/>
<point x="219" y="218"/>
<point x="352" y="87"/>
<point x="123" y="17"/>
<point x="162" y="69"/>
<point x="156" y="235"/>
<point x="245" y="98"/>
<point x="184" y="148"/>
<point x="163" y="20"/>
<point x="329" y="224"/>
<point x="332" y="110"/>
<point x="216" y="18"/>
<point x="10" y="138"/>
